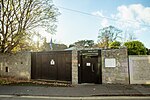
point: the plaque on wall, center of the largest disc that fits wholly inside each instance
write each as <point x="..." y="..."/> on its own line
<point x="110" y="62"/>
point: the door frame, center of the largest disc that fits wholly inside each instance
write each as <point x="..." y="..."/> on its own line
<point x="95" y="52"/>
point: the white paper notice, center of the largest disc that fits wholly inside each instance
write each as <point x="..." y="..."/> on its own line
<point x="110" y="62"/>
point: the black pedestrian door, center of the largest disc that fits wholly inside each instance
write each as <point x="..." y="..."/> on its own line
<point x="89" y="69"/>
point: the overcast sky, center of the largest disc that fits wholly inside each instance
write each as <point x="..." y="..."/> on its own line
<point x="82" y="19"/>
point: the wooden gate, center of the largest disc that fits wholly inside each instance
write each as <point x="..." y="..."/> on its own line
<point x="90" y="66"/>
<point x="53" y="65"/>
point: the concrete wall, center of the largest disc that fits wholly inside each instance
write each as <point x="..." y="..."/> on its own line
<point x="139" y="69"/>
<point x="16" y="65"/>
<point x="119" y="72"/>
<point x="74" y="67"/>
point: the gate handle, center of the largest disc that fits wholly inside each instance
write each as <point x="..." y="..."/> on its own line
<point x="92" y="68"/>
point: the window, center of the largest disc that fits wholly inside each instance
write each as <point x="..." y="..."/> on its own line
<point x="7" y="69"/>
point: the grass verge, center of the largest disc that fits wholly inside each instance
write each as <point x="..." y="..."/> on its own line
<point x="16" y="82"/>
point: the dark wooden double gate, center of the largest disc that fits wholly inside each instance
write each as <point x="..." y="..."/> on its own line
<point x="53" y="65"/>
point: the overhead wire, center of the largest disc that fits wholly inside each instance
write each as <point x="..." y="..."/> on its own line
<point x="85" y="13"/>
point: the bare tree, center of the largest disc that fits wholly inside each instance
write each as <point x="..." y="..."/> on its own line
<point x="107" y="35"/>
<point x="18" y="17"/>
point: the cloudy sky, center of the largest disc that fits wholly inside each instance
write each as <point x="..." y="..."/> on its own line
<point x="82" y="19"/>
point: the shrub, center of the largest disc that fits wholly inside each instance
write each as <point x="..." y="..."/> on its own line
<point x="114" y="45"/>
<point x="135" y="48"/>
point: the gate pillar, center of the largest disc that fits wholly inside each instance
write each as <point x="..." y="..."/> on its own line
<point x="74" y="67"/>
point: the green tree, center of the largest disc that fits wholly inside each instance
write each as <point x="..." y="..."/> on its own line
<point x="45" y="46"/>
<point x="28" y="43"/>
<point x="56" y="46"/>
<point x="83" y="44"/>
<point x="148" y="51"/>
<point x="21" y="17"/>
<point x="107" y="35"/>
<point x="114" y="45"/>
<point x="71" y="45"/>
<point x="135" y="48"/>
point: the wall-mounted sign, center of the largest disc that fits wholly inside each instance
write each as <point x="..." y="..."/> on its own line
<point x="79" y="65"/>
<point x="88" y="64"/>
<point x="110" y="62"/>
<point x="52" y="62"/>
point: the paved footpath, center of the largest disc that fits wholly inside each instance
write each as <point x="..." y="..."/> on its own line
<point x="83" y="90"/>
<point x="12" y="97"/>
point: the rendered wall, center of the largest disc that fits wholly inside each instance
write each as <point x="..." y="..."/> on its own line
<point x="16" y="65"/>
<point x="139" y="69"/>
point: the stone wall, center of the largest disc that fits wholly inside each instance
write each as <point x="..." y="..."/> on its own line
<point x="74" y="67"/>
<point x="19" y="65"/>
<point x="115" y="66"/>
<point x="139" y="69"/>
<point x="16" y="65"/>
